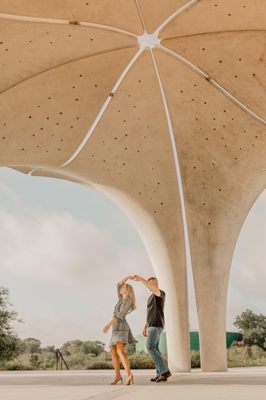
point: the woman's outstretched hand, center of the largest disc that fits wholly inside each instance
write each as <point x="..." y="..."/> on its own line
<point x="126" y="279"/>
<point x="108" y="326"/>
<point x="137" y="278"/>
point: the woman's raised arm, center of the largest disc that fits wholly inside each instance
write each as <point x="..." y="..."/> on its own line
<point x="126" y="279"/>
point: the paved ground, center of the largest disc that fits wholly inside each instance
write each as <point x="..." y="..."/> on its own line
<point x="237" y="384"/>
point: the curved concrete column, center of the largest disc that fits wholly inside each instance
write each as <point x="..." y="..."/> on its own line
<point x="164" y="243"/>
<point x="211" y="282"/>
<point x="222" y="161"/>
<point x="166" y="251"/>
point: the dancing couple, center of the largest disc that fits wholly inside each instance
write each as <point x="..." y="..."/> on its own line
<point x="121" y="332"/>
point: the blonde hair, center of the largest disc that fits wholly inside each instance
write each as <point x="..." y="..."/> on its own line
<point x="131" y="295"/>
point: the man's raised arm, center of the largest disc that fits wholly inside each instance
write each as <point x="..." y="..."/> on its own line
<point x="151" y="284"/>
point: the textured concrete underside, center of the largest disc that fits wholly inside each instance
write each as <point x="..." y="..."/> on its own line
<point x="173" y="131"/>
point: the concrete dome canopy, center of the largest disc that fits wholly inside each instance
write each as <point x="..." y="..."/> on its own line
<point x="160" y="105"/>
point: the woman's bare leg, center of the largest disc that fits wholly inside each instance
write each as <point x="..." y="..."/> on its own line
<point x="120" y="346"/>
<point x="115" y="361"/>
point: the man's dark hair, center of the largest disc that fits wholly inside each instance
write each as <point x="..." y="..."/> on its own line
<point x="152" y="278"/>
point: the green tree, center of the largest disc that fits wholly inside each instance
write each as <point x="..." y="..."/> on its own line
<point x="35" y="361"/>
<point x="92" y="347"/>
<point x="31" y="346"/>
<point x="49" y="349"/>
<point x="253" y="328"/>
<point x="9" y="342"/>
<point x="75" y="347"/>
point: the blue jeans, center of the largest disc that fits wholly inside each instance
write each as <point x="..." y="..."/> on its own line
<point x="153" y="340"/>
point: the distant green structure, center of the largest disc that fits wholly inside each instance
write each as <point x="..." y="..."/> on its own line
<point x="194" y="341"/>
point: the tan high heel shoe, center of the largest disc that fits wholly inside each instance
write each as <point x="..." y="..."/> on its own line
<point x="130" y="380"/>
<point x="116" y="380"/>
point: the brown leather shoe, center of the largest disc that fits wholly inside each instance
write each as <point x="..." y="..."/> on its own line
<point x="163" y="377"/>
<point x="155" y="378"/>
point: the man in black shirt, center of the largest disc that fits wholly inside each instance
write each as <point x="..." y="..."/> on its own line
<point x="154" y="326"/>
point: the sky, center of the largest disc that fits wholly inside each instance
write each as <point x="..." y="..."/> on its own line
<point x="64" y="247"/>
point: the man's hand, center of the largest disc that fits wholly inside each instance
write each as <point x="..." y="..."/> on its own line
<point x="137" y="278"/>
<point x="151" y="285"/>
<point x="145" y="331"/>
<point x="106" y="328"/>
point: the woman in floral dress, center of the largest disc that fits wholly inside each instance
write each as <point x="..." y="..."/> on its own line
<point x="121" y="332"/>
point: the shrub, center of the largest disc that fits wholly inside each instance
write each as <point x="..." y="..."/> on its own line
<point x="96" y="364"/>
<point x="246" y="356"/>
<point x="141" y="361"/>
<point x="195" y="359"/>
<point x="18" y="367"/>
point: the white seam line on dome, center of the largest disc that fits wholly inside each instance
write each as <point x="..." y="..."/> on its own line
<point x="103" y="108"/>
<point x="175" y="14"/>
<point x="213" y="83"/>
<point x="25" y="18"/>
<point x="140" y="15"/>
<point x="65" y="64"/>
<point x="191" y="35"/>
<point x="178" y="175"/>
<point x="237" y="102"/>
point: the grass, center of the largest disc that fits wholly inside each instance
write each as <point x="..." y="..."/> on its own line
<point x="237" y="357"/>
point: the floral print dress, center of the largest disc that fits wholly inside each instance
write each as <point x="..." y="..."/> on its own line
<point x="121" y="331"/>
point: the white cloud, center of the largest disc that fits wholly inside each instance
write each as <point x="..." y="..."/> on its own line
<point x="62" y="274"/>
<point x="61" y="248"/>
<point x="69" y="254"/>
<point x="248" y="274"/>
<point x="8" y="195"/>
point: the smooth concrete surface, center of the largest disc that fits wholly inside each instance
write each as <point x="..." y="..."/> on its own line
<point x="237" y="384"/>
